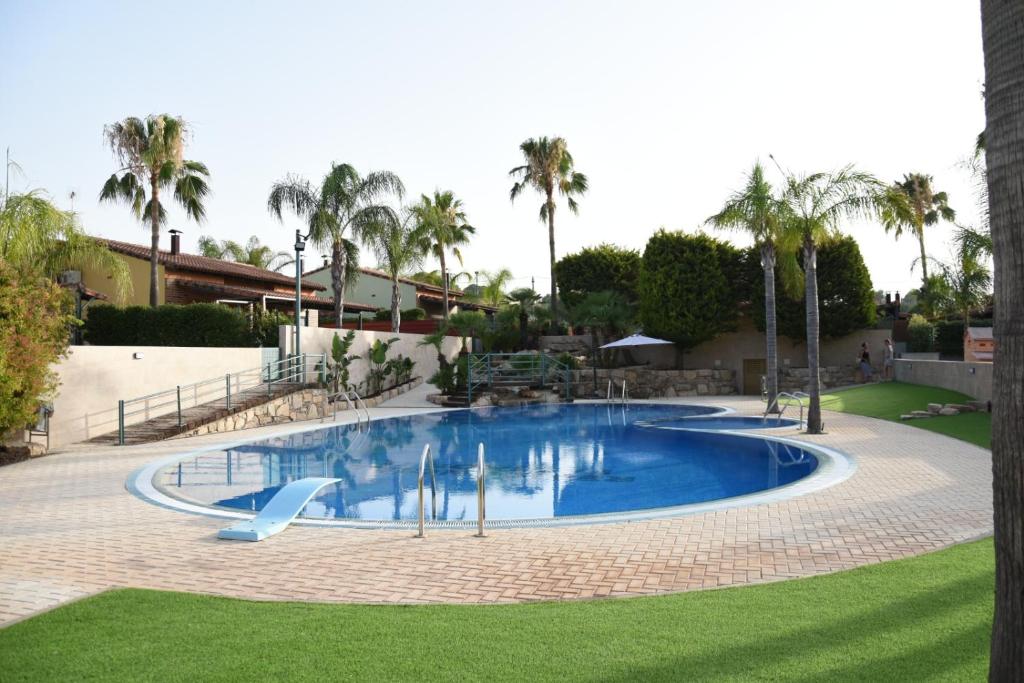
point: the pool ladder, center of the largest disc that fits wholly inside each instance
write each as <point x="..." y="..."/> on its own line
<point x="426" y="459"/>
<point x="797" y="396"/>
<point x="356" y="405"/>
<point x="611" y="385"/>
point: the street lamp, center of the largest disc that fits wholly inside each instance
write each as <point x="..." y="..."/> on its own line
<point x="300" y="245"/>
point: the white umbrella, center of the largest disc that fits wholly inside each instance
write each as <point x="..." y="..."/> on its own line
<point x="634" y="340"/>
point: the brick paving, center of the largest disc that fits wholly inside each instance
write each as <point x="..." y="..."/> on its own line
<point x="68" y="528"/>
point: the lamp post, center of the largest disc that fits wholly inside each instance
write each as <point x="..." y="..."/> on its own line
<point x="300" y="245"/>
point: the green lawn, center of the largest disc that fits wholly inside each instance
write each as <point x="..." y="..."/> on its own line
<point x="889" y="400"/>
<point x="924" y="618"/>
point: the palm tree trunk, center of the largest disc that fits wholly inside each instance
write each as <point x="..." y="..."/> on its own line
<point x="770" y="325"/>
<point x="813" y="332"/>
<point x="1003" y="40"/>
<point x="551" y="256"/>
<point x="444" y="282"/>
<point x="396" y="305"/>
<point x="338" y="281"/>
<point x="154" y="247"/>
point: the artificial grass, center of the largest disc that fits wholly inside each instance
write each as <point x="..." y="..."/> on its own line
<point x="928" y="617"/>
<point x="889" y="400"/>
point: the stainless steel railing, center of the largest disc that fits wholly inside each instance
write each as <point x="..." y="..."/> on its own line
<point x="797" y="396"/>
<point x="611" y="385"/>
<point x="424" y="459"/>
<point x="481" y="487"/>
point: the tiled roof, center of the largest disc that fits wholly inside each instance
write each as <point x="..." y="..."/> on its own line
<point x="462" y="303"/>
<point x="249" y="294"/>
<point x="452" y="292"/>
<point x="205" y="264"/>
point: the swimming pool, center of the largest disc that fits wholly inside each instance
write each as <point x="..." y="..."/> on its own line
<point x="720" y="422"/>
<point x="551" y="462"/>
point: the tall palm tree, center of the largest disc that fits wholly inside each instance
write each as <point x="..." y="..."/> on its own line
<point x="968" y="280"/>
<point x="345" y="203"/>
<point x="911" y="205"/>
<point x="493" y="291"/>
<point x="549" y="168"/>
<point x="524" y="300"/>
<point x="442" y="223"/>
<point x="37" y="237"/>
<point x="815" y="206"/>
<point x="150" y="153"/>
<point x="251" y="253"/>
<point x="1002" y="28"/>
<point x="756" y="211"/>
<point x="399" y="247"/>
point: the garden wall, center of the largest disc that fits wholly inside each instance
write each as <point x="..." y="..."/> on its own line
<point x="973" y="379"/>
<point x="643" y="382"/>
<point x="94" y="378"/>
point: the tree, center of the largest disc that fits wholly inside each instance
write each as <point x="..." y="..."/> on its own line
<point x="1002" y="25"/>
<point x="756" y="211"/>
<point x="38" y="238"/>
<point x="251" y="253"/>
<point x="816" y="205"/>
<point x="595" y="269"/>
<point x="492" y="292"/>
<point x="685" y="295"/>
<point x="524" y="302"/>
<point x="968" y="281"/>
<point x="912" y="205"/>
<point x="34" y="317"/>
<point x="444" y="228"/>
<point x="150" y="153"/>
<point x="345" y="203"/>
<point x="399" y="246"/>
<point x="468" y="324"/>
<point x="549" y="168"/>
<point x="607" y="314"/>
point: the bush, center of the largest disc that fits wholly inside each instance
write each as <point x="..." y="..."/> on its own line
<point x="34" y="332"/>
<point x="171" y="325"/>
<point x="265" y="327"/>
<point x="594" y="269"/>
<point x="384" y="314"/>
<point x="949" y="335"/>
<point x="921" y="335"/>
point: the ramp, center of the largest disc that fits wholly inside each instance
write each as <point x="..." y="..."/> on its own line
<point x="279" y="512"/>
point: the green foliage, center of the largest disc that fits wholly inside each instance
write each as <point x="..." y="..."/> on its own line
<point x="567" y="359"/>
<point x="252" y="253"/>
<point x="34" y="333"/>
<point x="921" y="335"/>
<point x="444" y="379"/>
<point x="468" y="324"/>
<point x="169" y="325"/>
<point x="338" y="372"/>
<point x="265" y="326"/>
<point x="685" y="292"/>
<point x="402" y="369"/>
<point x="383" y="314"/>
<point x="845" y="294"/>
<point x="380" y="366"/>
<point x="605" y="267"/>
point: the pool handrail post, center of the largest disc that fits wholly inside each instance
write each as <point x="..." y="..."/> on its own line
<point x="120" y="422"/>
<point x="227" y="381"/>
<point x="179" y="406"/>
<point x="481" y="505"/>
<point x="543" y="369"/>
<point x="469" y="380"/>
<point x="424" y="459"/>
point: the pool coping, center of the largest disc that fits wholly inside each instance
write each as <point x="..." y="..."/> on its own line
<point x="834" y="467"/>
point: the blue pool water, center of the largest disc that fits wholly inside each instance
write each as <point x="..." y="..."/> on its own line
<point x="542" y="462"/>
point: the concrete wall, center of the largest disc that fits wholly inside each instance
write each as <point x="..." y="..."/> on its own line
<point x="369" y="290"/>
<point x="318" y="340"/>
<point x="94" y="378"/>
<point x="138" y="269"/>
<point x="973" y="379"/>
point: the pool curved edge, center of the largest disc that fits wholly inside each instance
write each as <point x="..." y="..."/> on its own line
<point x="834" y="467"/>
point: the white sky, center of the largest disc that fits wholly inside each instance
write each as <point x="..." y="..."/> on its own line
<point x="664" y="105"/>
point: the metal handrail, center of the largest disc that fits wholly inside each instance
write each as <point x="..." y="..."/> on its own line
<point x="424" y="459"/>
<point x="359" y="401"/>
<point x="481" y="496"/>
<point x="611" y="385"/>
<point x="795" y="396"/>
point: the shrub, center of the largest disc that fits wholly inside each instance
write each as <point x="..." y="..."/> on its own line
<point x="414" y="314"/>
<point x="594" y="269"/>
<point x="170" y="325"/>
<point x="34" y="332"/>
<point x="921" y="335"/>
<point x="265" y="326"/>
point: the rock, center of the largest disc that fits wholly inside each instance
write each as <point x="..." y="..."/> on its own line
<point x="23" y="449"/>
<point x="978" y="405"/>
<point x="949" y="411"/>
<point x="961" y="407"/>
<point x="908" y="417"/>
<point x="934" y="408"/>
<point x="922" y="413"/>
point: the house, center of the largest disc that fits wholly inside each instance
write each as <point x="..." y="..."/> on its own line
<point x="979" y="346"/>
<point x="372" y="291"/>
<point x="190" y="278"/>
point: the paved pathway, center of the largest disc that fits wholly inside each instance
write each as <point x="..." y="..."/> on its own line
<point x="69" y="528"/>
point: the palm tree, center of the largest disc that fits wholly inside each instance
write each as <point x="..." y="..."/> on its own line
<point x="443" y="225"/>
<point x="608" y="315"/>
<point x="911" y="205"/>
<point x="493" y="291"/>
<point x="1002" y="28"/>
<point x="150" y="154"/>
<point x="524" y="300"/>
<point x="345" y="203"/>
<point x="968" y="280"/>
<point x="399" y="247"/>
<point x="814" y="207"/>
<point x="549" y="168"/>
<point x="37" y="237"/>
<point x="757" y="211"/>
<point x="251" y="253"/>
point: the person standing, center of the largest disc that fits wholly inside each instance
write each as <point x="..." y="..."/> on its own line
<point x="888" y="361"/>
<point x="865" y="363"/>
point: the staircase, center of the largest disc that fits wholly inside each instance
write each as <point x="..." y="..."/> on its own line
<point x="186" y="407"/>
<point x="495" y="371"/>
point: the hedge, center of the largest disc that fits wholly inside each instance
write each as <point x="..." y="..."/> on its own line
<point x="949" y="335"/>
<point x="407" y="314"/>
<point x="168" y="325"/>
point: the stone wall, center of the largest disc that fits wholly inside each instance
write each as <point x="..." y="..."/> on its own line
<point x="642" y="382"/>
<point x="973" y="379"/>
<point x="795" y="379"/>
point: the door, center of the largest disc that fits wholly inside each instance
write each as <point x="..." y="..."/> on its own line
<point x="753" y="370"/>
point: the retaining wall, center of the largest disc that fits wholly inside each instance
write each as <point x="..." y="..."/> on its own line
<point x="973" y="379"/>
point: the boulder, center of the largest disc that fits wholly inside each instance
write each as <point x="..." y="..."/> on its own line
<point x="934" y="408"/>
<point x="922" y="413"/>
<point x="908" y="417"/>
<point x="949" y="411"/>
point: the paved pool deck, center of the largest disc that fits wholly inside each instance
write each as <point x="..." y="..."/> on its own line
<point x="69" y="528"/>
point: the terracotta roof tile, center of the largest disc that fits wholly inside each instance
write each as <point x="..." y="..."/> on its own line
<point x="247" y="293"/>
